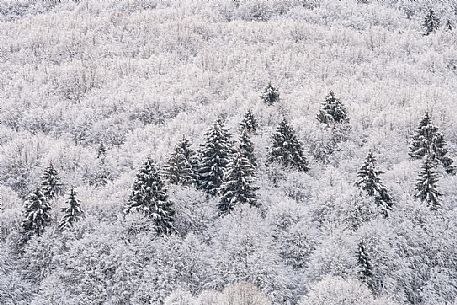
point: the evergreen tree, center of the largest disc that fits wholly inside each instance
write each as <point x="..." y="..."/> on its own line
<point x="365" y="266"/>
<point x="249" y="122"/>
<point x="431" y="23"/>
<point x="369" y="181"/>
<point x="72" y="213"/>
<point x="237" y="187"/>
<point x="247" y="148"/>
<point x="429" y="142"/>
<point x="214" y="158"/>
<point x="50" y="185"/>
<point x="181" y="167"/>
<point x="149" y="197"/>
<point x="101" y="176"/>
<point x="286" y="149"/>
<point x="36" y="215"/>
<point x="426" y="185"/>
<point x="101" y="152"/>
<point x="449" y="26"/>
<point x="332" y="111"/>
<point x="270" y="95"/>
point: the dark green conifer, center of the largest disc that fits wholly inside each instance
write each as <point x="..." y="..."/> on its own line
<point x="247" y="148"/>
<point x="429" y="142"/>
<point x="249" y="122"/>
<point x="36" y="214"/>
<point x="270" y="95"/>
<point x="149" y="197"/>
<point x="431" y="23"/>
<point x="237" y="187"/>
<point x="72" y="213"/>
<point x="287" y="149"/>
<point x="426" y="185"/>
<point x="214" y="157"/>
<point x="50" y="185"/>
<point x="365" y="266"/>
<point x="369" y="181"/>
<point x="332" y="111"/>
<point x="181" y="167"/>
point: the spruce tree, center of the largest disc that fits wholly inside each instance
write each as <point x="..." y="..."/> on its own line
<point x="365" y="266"/>
<point x="332" y="111"/>
<point x="426" y="185"/>
<point x="149" y="197"/>
<point x="270" y="95"/>
<point x="214" y="157"/>
<point x="431" y="23"/>
<point x="287" y="149"/>
<point x="429" y="142"/>
<point x="449" y="26"/>
<point x="247" y="148"/>
<point x="237" y="187"/>
<point x="36" y="214"/>
<point x="181" y="167"/>
<point x="369" y="181"/>
<point x="249" y="122"/>
<point x="101" y="152"/>
<point x="72" y="213"/>
<point x="50" y="185"/>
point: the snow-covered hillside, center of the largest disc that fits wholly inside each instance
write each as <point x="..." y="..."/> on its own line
<point x="228" y="151"/>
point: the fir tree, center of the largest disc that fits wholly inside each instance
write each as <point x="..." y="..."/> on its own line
<point x="426" y="185"/>
<point x="181" y="167"/>
<point x="101" y="176"/>
<point x="369" y="181"/>
<point x="332" y="111"/>
<point x="50" y="185"/>
<point x="149" y="197"/>
<point x="249" y="122"/>
<point x="36" y="215"/>
<point x="101" y="152"/>
<point x="247" y="148"/>
<point x="72" y="213"/>
<point x="365" y="266"/>
<point x="237" y="187"/>
<point x="431" y="23"/>
<point x="449" y="26"/>
<point x="286" y="149"/>
<point x="429" y="142"/>
<point x="214" y="158"/>
<point x="270" y="95"/>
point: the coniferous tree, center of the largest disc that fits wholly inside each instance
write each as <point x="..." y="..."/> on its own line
<point x="429" y="142"/>
<point x="237" y="187"/>
<point x="426" y="185"/>
<point x="214" y="158"/>
<point x="449" y="26"/>
<point x="247" y="148"/>
<point x="101" y="152"/>
<point x="72" y="213"/>
<point x="149" y="197"/>
<point x="369" y="181"/>
<point x="365" y="266"/>
<point x="101" y="176"/>
<point x="50" y="185"/>
<point x="249" y="122"/>
<point x="287" y="149"/>
<point x="181" y="167"/>
<point x="332" y="111"/>
<point x="36" y="215"/>
<point x="431" y="23"/>
<point x="270" y="95"/>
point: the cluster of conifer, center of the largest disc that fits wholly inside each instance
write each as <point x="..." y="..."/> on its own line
<point x="221" y="168"/>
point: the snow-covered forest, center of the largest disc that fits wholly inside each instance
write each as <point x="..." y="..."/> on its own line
<point x="228" y="152"/>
